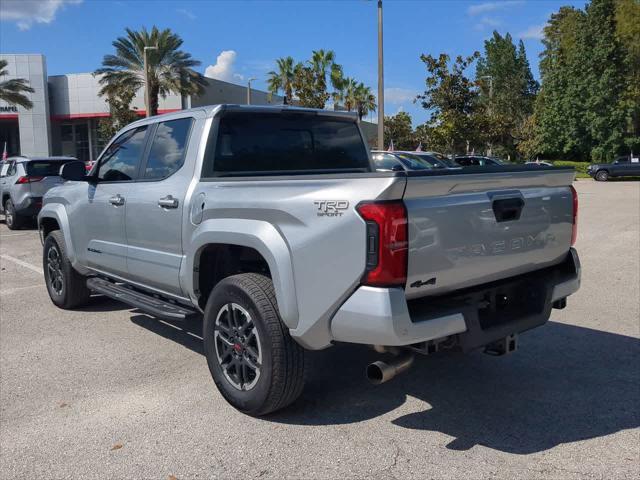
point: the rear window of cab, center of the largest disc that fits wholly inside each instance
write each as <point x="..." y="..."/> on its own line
<point x="249" y="143"/>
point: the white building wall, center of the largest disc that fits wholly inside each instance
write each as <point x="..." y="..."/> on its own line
<point x="35" y="129"/>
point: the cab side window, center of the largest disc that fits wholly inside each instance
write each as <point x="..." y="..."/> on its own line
<point x="120" y="161"/>
<point x="167" y="149"/>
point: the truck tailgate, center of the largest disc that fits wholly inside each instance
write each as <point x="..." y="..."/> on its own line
<point x="471" y="228"/>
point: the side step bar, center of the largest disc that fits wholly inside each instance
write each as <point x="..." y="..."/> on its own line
<point x="153" y="306"/>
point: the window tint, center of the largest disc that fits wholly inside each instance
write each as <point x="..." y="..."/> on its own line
<point x="44" y="168"/>
<point x="120" y="161"/>
<point x="167" y="150"/>
<point x="12" y="169"/>
<point x="250" y="142"/>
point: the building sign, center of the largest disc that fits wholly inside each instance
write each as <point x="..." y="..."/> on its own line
<point x="9" y="109"/>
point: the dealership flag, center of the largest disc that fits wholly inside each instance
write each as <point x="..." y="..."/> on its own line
<point x="4" y="152"/>
<point x="419" y="149"/>
<point x="391" y="146"/>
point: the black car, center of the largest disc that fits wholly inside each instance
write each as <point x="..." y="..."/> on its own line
<point x="477" y="161"/>
<point x="624" y="166"/>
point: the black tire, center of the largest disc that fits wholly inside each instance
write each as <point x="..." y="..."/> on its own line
<point x="11" y="218"/>
<point x="67" y="288"/>
<point x="602" y="176"/>
<point x="280" y="377"/>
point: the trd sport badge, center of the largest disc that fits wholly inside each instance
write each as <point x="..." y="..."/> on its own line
<point x="331" y="208"/>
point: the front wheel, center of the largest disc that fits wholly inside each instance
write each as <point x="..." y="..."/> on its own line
<point x="253" y="360"/>
<point x="67" y="288"/>
<point x="602" y="176"/>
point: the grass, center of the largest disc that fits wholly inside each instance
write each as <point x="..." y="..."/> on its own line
<point x="581" y="167"/>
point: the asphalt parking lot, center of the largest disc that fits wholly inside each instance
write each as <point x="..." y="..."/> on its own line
<point x="108" y="392"/>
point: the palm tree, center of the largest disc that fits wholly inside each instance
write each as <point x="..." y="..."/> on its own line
<point x="282" y="79"/>
<point x="347" y="93"/>
<point x="13" y="91"/>
<point x="169" y="69"/>
<point x="365" y="100"/>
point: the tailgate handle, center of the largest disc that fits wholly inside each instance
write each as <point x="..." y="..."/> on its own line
<point x="507" y="209"/>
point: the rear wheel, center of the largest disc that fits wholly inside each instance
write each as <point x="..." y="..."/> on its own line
<point x="11" y="218"/>
<point x="602" y="176"/>
<point x="253" y="360"/>
<point x="66" y="287"/>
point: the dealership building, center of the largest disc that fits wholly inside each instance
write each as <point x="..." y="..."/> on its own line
<point x="67" y="108"/>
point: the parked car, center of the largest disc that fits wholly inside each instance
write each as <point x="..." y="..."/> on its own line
<point x="437" y="160"/>
<point x="23" y="182"/>
<point x="273" y="223"/>
<point x="624" y="166"/>
<point x="401" y="161"/>
<point x="539" y="163"/>
<point x="477" y="161"/>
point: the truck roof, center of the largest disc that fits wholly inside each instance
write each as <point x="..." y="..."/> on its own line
<point x="211" y="110"/>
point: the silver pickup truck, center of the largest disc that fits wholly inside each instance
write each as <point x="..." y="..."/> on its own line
<point x="273" y="224"/>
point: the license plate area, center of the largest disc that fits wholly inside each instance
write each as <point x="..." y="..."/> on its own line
<point x="505" y="303"/>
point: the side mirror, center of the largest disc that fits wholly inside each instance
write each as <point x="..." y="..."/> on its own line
<point x="74" y="171"/>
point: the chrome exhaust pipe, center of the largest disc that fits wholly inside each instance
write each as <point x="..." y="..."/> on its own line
<point x="380" y="371"/>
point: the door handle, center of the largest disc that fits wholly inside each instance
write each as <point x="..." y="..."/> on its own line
<point x="118" y="200"/>
<point x="168" y="202"/>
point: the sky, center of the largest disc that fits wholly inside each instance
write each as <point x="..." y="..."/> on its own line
<point x="238" y="40"/>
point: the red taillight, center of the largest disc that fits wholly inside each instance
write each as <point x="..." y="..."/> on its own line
<point x="387" y="243"/>
<point x="28" y="179"/>
<point x="574" y="231"/>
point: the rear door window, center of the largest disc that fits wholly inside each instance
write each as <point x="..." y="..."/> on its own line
<point x="167" y="149"/>
<point x="292" y="143"/>
<point x="120" y="161"/>
<point x="40" y="168"/>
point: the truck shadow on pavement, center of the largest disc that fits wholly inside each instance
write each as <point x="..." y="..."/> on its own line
<point x="565" y="384"/>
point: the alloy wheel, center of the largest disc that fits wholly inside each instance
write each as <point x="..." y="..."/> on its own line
<point x="54" y="270"/>
<point x="238" y="348"/>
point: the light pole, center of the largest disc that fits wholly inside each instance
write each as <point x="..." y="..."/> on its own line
<point x="249" y="90"/>
<point x="380" y="81"/>
<point x="489" y="110"/>
<point x="147" y="101"/>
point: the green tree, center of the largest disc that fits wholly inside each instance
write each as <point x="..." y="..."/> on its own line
<point x="119" y="98"/>
<point x="451" y="97"/>
<point x="169" y="69"/>
<point x="365" y="100"/>
<point x="507" y="92"/>
<point x="603" y="81"/>
<point x="559" y="106"/>
<point x="282" y="78"/>
<point x="398" y="128"/>
<point x="13" y="91"/>
<point x="311" y="79"/>
<point x="627" y="17"/>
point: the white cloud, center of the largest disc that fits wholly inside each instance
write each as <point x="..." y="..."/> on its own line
<point x="224" y="67"/>
<point x="187" y="13"/>
<point x="480" y="8"/>
<point x="27" y="12"/>
<point x="396" y="95"/>
<point x="535" y="32"/>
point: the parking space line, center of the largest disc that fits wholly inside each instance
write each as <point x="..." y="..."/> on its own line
<point x="17" y="261"/>
<point x="9" y="291"/>
<point x="15" y="234"/>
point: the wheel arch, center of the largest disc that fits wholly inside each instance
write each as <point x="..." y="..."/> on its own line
<point x="243" y="235"/>
<point x="54" y="217"/>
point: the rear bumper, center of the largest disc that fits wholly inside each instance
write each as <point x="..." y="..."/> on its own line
<point x="29" y="206"/>
<point x="383" y="316"/>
